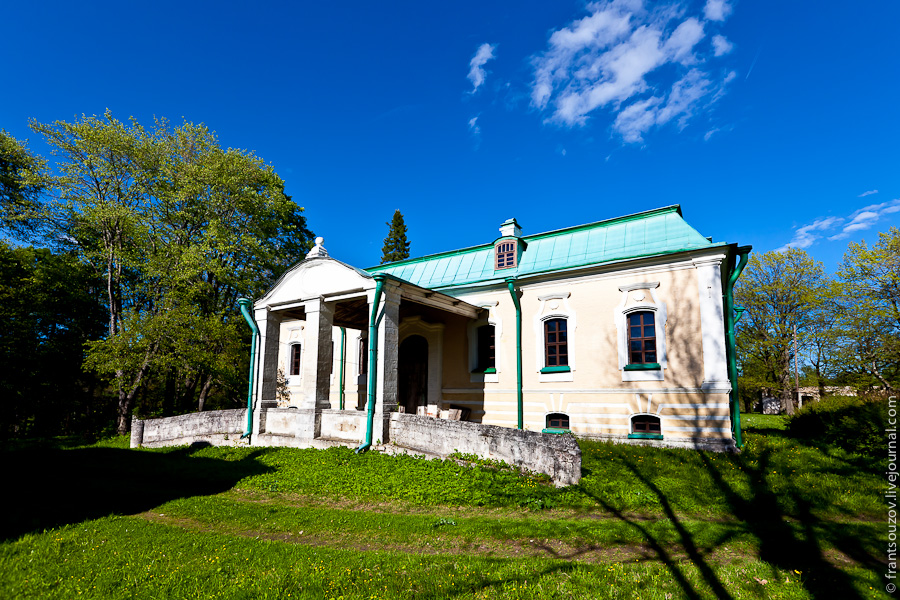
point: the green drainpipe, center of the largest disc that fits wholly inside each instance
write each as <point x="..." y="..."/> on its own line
<point x="343" y="359"/>
<point x="510" y="284"/>
<point x="245" y="305"/>
<point x="743" y="253"/>
<point x="373" y="363"/>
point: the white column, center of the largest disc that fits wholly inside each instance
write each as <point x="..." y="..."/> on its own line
<point x="269" y="324"/>
<point x="388" y="343"/>
<point x="315" y="372"/>
<point x="712" y="322"/>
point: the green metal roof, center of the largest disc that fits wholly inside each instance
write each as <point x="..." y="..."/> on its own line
<point x="650" y="233"/>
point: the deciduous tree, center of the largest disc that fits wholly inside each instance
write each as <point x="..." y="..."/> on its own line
<point x="780" y="291"/>
<point x="179" y="228"/>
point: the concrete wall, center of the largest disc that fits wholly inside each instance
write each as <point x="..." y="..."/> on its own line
<point x="556" y="455"/>
<point x="217" y="427"/>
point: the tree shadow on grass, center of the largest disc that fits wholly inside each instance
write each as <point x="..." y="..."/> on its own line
<point x="51" y="487"/>
<point x="792" y="540"/>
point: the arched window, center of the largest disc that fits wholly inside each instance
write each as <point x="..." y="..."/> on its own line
<point x="486" y="356"/>
<point x="645" y="424"/>
<point x="295" y="359"/>
<point x="641" y="338"/>
<point x="556" y="343"/>
<point x="505" y="252"/>
<point x="557" y="421"/>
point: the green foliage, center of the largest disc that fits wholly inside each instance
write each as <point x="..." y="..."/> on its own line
<point x="178" y="228"/>
<point x="852" y="423"/>
<point x="396" y="246"/>
<point x="780" y="291"/>
<point x="21" y="174"/>
<point x="869" y="321"/>
<point x="49" y="308"/>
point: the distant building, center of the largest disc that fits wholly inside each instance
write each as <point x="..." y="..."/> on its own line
<point x="611" y="330"/>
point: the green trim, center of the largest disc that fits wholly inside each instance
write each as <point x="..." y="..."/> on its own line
<point x="645" y="436"/>
<point x="487" y="371"/>
<point x="556" y="430"/>
<point x="560" y="369"/>
<point x="643" y="367"/>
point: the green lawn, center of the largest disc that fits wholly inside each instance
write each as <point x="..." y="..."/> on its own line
<point x="782" y="519"/>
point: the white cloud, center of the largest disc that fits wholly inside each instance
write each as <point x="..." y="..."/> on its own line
<point x="473" y="126"/>
<point x="806" y="236"/>
<point x="869" y="193"/>
<point x="607" y="59"/>
<point x="721" y="45"/>
<point x="867" y="216"/>
<point x="477" y="73"/>
<point x="717" y="10"/>
<point x="860" y="220"/>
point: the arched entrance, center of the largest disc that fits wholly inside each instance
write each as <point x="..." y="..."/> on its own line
<point x="412" y="373"/>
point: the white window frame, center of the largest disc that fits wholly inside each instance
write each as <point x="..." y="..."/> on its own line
<point x="621" y="318"/>
<point x="562" y="311"/>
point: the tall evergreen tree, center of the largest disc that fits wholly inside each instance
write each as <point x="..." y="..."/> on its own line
<point x="396" y="246"/>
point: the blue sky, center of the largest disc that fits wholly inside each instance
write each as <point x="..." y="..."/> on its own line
<point x="771" y="123"/>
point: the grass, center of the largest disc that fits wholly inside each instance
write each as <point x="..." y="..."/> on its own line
<point x="783" y="519"/>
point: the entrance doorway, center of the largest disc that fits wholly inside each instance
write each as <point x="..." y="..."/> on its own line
<point x="412" y="373"/>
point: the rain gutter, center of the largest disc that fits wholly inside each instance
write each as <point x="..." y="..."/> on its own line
<point x="743" y="254"/>
<point x="373" y="361"/>
<point x="245" y="305"/>
<point x="511" y="285"/>
<point x="343" y="358"/>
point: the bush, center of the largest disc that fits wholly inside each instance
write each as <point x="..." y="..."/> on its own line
<point x="855" y="424"/>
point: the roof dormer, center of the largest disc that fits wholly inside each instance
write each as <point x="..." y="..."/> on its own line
<point x="508" y="248"/>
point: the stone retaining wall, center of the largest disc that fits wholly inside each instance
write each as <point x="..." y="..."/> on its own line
<point x="217" y="427"/>
<point x="556" y="455"/>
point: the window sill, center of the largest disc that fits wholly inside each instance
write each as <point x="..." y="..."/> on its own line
<point x="562" y="369"/>
<point x="556" y="430"/>
<point x="645" y="436"/>
<point x="643" y="367"/>
<point x="488" y="371"/>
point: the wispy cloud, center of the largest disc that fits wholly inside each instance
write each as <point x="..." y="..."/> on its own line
<point x="807" y="235"/>
<point x="721" y="45"/>
<point x="606" y="60"/>
<point x="867" y="216"/>
<point x="869" y="193"/>
<point x="477" y="73"/>
<point x="473" y="126"/>
<point x="859" y="220"/>
<point x="717" y="10"/>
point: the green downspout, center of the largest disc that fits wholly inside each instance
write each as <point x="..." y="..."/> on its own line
<point x="373" y="362"/>
<point x="743" y="253"/>
<point x="343" y="359"/>
<point x="510" y="284"/>
<point x="245" y="305"/>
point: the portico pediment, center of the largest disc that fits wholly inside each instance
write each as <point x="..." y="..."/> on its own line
<point x="314" y="278"/>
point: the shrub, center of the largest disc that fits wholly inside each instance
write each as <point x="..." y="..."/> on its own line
<point x="855" y="424"/>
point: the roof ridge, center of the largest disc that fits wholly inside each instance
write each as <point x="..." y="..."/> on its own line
<point x="643" y="214"/>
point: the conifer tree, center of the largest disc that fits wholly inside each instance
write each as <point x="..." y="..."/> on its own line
<point x="396" y="246"/>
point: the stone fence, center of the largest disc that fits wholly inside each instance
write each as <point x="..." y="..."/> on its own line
<point x="217" y="427"/>
<point x="556" y="455"/>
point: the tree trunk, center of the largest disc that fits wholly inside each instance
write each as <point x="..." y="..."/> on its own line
<point x="126" y="400"/>
<point x="204" y="392"/>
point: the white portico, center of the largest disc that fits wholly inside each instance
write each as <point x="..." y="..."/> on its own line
<point x="305" y="320"/>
